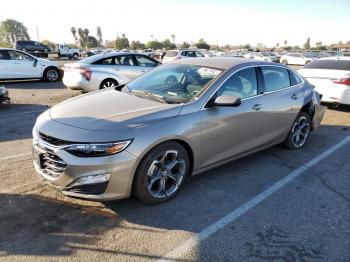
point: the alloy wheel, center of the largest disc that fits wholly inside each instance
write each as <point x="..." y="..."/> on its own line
<point x="300" y="132"/>
<point x="165" y="174"/>
<point x="52" y="75"/>
<point x="109" y="84"/>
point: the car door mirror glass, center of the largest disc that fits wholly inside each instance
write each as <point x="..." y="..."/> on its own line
<point x="226" y="100"/>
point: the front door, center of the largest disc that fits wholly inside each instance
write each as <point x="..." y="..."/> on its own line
<point x="24" y="66"/>
<point x="232" y="131"/>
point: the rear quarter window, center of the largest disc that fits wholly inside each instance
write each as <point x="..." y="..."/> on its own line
<point x="294" y="78"/>
<point x="329" y="64"/>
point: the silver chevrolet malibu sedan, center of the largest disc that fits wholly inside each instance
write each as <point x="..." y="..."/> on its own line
<point x="177" y="120"/>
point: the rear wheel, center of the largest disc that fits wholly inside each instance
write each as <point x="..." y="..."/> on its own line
<point x="109" y="83"/>
<point x="75" y="56"/>
<point x="161" y="173"/>
<point x="52" y="74"/>
<point x="299" y="132"/>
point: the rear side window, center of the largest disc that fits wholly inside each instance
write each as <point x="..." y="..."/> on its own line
<point x="171" y="53"/>
<point x="105" y="61"/>
<point x="294" y="78"/>
<point x="275" y="78"/>
<point x="126" y="60"/>
<point x="329" y="64"/>
<point x="144" y="61"/>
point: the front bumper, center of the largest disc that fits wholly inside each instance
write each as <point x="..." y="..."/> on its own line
<point x="61" y="169"/>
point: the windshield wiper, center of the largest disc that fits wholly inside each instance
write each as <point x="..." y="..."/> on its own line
<point x="147" y="94"/>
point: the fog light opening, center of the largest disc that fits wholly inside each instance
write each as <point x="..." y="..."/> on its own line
<point x="91" y="179"/>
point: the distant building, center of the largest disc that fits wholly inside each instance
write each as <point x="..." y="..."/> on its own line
<point x="341" y="47"/>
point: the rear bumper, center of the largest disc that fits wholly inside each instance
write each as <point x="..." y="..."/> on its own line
<point x="319" y="112"/>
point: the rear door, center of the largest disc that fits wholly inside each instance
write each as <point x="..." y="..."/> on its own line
<point x="282" y="100"/>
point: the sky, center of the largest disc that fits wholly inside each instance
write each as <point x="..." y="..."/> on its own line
<point x="231" y="22"/>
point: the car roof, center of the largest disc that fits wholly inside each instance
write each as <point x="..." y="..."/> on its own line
<point x="218" y="62"/>
<point x="106" y="55"/>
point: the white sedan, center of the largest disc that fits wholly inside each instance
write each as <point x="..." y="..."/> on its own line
<point x="296" y="59"/>
<point x="15" y="64"/>
<point x="331" y="78"/>
<point x="108" y="70"/>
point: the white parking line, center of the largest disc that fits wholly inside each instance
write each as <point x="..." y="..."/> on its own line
<point x="15" y="156"/>
<point x="191" y="243"/>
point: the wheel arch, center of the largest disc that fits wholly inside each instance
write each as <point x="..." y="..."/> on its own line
<point x="49" y="67"/>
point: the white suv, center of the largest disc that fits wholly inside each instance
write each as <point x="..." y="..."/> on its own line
<point x="172" y="55"/>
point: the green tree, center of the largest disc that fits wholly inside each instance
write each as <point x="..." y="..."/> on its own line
<point x="168" y="45"/>
<point x="99" y="36"/>
<point x="122" y="42"/>
<point x="91" y="42"/>
<point x="50" y="44"/>
<point x="154" y="44"/>
<point x="74" y="33"/>
<point x="185" y="45"/>
<point x="307" y="44"/>
<point x="201" y="44"/>
<point x="260" y="46"/>
<point x="11" y="31"/>
<point x="137" y="45"/>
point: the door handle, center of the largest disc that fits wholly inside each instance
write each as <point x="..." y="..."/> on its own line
<point x="257" y="107"/>
<point x="294" y="96"/>
<point x="17" y="63"/>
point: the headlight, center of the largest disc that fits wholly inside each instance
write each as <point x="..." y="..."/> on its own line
<point x="98" y="149"/>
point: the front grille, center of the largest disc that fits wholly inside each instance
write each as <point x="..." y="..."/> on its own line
<point x="93" y="189"/>
<point x="51" y="164"/>
<point x="53" y="141"/>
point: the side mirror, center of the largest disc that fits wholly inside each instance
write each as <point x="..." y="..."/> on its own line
<point x="226" y="100"/>
<point x="35" y="63"/>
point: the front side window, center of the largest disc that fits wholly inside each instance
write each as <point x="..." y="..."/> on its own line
<point x="174" y="83"/>
<point x="242" y="84"/>
<point x="275" y="78"/>
<point x="19" y="56"/>
<point x="144" y="61"/>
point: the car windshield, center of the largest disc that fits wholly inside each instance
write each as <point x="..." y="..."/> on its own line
<point x="174" y="83"/>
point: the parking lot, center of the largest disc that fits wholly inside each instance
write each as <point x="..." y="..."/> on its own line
<point x="276" y="205"/>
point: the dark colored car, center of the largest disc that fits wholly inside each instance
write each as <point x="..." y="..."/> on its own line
<point x="31" y="46"/>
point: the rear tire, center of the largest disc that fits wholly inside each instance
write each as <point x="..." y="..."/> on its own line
<point x="75" y="56"/>
<point x="299" y="132"/>
<point x="109" y="83"/>
<point x="161" y="173"/>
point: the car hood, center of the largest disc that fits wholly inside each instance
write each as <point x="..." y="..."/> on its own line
<point x="111" y="110"/>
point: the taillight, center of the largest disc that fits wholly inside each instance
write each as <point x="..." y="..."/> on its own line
<point x="341" y="81"/>
<point x="86" y="73"/>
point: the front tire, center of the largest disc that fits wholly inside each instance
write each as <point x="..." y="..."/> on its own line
<point x="161" y="173"/>
<point x="299" y="132"/>
<point x="52" y="74"/>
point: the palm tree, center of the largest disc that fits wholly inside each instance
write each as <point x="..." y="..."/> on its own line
<point x="152" y="37"/>
<point x="173" y="37"/>
<point x="74" y="33"/>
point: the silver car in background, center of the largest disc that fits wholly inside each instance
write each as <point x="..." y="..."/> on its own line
<point x="179" y="119"/>
<point x="106" y="70"/>
<point x="172" y="55"/>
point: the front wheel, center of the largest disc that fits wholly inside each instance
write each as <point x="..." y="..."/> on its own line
<point x="299" y="132"/>
<point x="52" y="74"/>
<point x="161" y="173"/>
